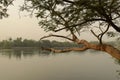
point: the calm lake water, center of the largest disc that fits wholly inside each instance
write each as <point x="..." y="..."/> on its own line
<point x="42" y="65"/>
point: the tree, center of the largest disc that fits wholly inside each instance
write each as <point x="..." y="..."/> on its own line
<point x="28" y="43"/>
<point x="3" y="7"/>
<point x="45" y="43"/>
<point x="74" y="16"/>
<point x="5" y="44"/>
<point x="18" y="42"/>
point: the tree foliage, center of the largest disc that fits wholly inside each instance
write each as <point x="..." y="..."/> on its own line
<point x="74" y="15"/>
<point x="3" y="7"/>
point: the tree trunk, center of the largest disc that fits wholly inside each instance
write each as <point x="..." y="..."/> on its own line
<point x="100" y="47"/>
<point x="104" y="47"/>
<point x="114" y="52"/>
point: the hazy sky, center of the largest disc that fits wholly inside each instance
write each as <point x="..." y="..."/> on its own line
<point x="24" y="26"/>
<point x="16" y="26"/>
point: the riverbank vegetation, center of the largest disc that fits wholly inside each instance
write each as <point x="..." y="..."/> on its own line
<point x="29" y="43"/>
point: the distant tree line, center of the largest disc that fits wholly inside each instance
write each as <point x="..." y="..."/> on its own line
<point x="26" y="43"/>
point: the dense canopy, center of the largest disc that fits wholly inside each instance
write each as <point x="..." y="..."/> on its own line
<point x="72" y="15"/>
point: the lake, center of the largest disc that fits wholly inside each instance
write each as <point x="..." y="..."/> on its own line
<point x="43" y="65"/>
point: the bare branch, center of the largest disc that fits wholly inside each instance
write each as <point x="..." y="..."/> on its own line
<point x="10" y="3"/>
<point x="68" y="1"/>
<point x="75" y="38"/>
<point x="100" y="28"/>
<point x="59" y="29"/>
<point x="105" y="30"/>
<point x="65" y="50"/>
<point x="99" y="36"/>
<point x="79" y="24"/>
<point x="95" y="34"/>
<point x="86" y="45"/>
<point x="90" y="20"/>
<point x="51" y="35"/>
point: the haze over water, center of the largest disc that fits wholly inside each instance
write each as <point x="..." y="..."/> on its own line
<point x="40" y="65"/>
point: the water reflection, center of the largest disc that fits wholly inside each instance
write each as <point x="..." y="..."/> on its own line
<point x="118" y="70"/>
<point x="18" y="54"/>
<point x="23" y="53"/>
<point x="44" y="65"/>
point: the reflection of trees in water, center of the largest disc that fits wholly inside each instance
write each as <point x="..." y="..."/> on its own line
<point x="23" y="53"/>
<point x="118" y="71"/>
<point x="44" y="53"/>
<point x="118" y="74"/>
<point x="18" y="54"/>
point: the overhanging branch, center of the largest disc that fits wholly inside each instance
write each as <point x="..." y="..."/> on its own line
<point x="9" y="3"/>
<point x="65" y="50"/>
<point x="52" y="35"/>
<point x="79" y="24"/>
<point x="100" y="36"/>
<point x="84" y="22"/>
<point x="68" y="1"/>
<point x="95" y="34"/>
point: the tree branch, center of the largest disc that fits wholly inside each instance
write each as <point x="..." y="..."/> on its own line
<point x="10" y="3"/>
<point x="105" y="30"/>
<point x="80" y="24"/>
<point x="108" y="19"/>
<point x="51" y="35"/>
<point x="58" y="15"/>
<point x="90" y="20"/>
<point x="65" y="50"/>
<point x="68" y="1"/>
<point x="99" y="36"/>
<point x="95" y="34"/>
<point x="59" y="29"/>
